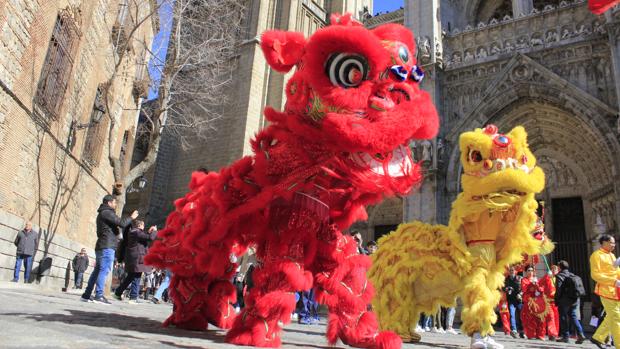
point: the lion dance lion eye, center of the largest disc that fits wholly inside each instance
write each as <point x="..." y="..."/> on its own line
<point x="475" y="156"/>
<point x="347" y="69"/>
<point x="403" y="54"/>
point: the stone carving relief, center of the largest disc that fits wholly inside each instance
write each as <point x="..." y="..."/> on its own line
<point x="583" y="30"/>
<point x="552" y="36"/>
<point x="424" y="47"/>
<point x="598" y="28"/>
<point x="522" y="43"/>
<point x="495" y="49"/>
<point x="469" y="56"/>
<point x="536" y="40"/>
<point x="566" y="33"/>
<point x="558" y="175"/>
<point x="604" y="207"/>
<point x="501" y="38"/>
<point x="456" y="58"/>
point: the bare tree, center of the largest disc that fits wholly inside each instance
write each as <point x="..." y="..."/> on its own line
<point x="191" y="81"/>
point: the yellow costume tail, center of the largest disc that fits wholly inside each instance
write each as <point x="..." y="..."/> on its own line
<point x="420" y="270"/>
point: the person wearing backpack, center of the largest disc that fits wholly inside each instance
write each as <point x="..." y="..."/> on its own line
<point x="569" y="289"/>
<point x="604" y="270"/>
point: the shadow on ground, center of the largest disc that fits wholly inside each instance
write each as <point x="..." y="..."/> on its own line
<point x="121" y="322"/>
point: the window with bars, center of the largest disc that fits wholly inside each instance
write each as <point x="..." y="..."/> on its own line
<point x="122" y="27"/>
<point x="97" y="131"/>
<point x="57" y="66"/>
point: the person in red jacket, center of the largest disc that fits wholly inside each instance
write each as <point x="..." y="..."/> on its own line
<point x="535" y="306"/>
<point x="551" y="320"/>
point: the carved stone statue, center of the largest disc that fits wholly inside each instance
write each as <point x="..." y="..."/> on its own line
<point x="599" y="28"/>
<point x="536" y="41"/>
<point x="565" y="34"/>
<point x="427" y="148"/>
<point x="425" y="49"/>
<point x="468" y="56"/>
<point x="508" y="47"/>
<point x="552" y="36"/>
<point x="482" y="52"/>
<point x="583" y="31"/>
<point x="495" y="49"/>
<point x="521" y="43"/>
<point x="456" y="58"/>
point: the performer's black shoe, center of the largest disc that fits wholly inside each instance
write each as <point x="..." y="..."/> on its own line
<point x="580" y="339"/>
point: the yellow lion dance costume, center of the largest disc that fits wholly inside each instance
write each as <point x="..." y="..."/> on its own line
<point x="420" y="267"/>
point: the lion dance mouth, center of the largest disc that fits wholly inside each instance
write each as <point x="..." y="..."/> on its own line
<point x="398" y="163"/>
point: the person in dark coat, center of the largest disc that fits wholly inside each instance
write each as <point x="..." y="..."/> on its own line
<point x="107" y="230"/>
<point x="79" y="265"/>
<point x="512" y="288"/>
<point x="567" y="305"/>
<point x="26" y="242"/>
<point x="135" y="250"/>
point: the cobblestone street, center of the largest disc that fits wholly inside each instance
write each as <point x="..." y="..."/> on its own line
<point x="34" y="318"/>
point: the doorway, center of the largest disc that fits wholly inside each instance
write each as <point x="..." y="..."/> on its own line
<point x="569" y="234"/>
<point x="381" y="230"/>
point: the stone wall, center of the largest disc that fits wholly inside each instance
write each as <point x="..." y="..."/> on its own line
<point x="43" y="177"/>
<point x="61" y="250"/>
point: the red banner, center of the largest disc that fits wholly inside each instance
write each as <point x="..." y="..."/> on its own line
<point x="600" y="6"/>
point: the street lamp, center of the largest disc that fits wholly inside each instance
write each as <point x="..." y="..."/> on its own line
<point x="141" y="185"/>
<point x="142" y="182"/>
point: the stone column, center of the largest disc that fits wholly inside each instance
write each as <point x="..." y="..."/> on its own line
<point x="423" y="18"/>
<point x="613" y="30"/>
<point x="520" y="7"/>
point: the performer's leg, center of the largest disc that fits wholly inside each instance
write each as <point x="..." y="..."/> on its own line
<point x="541" y="328"/>
<point x="188" y="295"/>
<point x="342" y="285"/>
<point x="506" y="322"/>
<point x="271" y="301"/>
<point x="611" y="323"/>
<point x="480" y="295"/>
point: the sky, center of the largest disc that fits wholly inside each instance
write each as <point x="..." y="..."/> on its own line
<point x="160" y="45"/>
<point x="386" y="5"/>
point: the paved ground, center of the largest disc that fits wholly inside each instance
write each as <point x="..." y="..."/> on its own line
<point x="34" y="318"/>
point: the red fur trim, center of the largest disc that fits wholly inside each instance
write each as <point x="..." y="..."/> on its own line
<point x="395" y="32"/>
<point x="388" y="340"/>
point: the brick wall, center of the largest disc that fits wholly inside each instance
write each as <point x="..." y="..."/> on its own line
<point x="42" y="177"/>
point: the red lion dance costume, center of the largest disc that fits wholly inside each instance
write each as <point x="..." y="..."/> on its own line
<point x="353" y="105"/>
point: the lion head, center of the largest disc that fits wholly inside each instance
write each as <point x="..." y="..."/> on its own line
<point x="354" y="90"/>
<point x="495" y="162"/>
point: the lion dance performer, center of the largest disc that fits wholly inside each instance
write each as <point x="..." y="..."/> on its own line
<point x="353" y="105"/>
<point x="535" y="305"/>
<point x="419" y="267"/>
